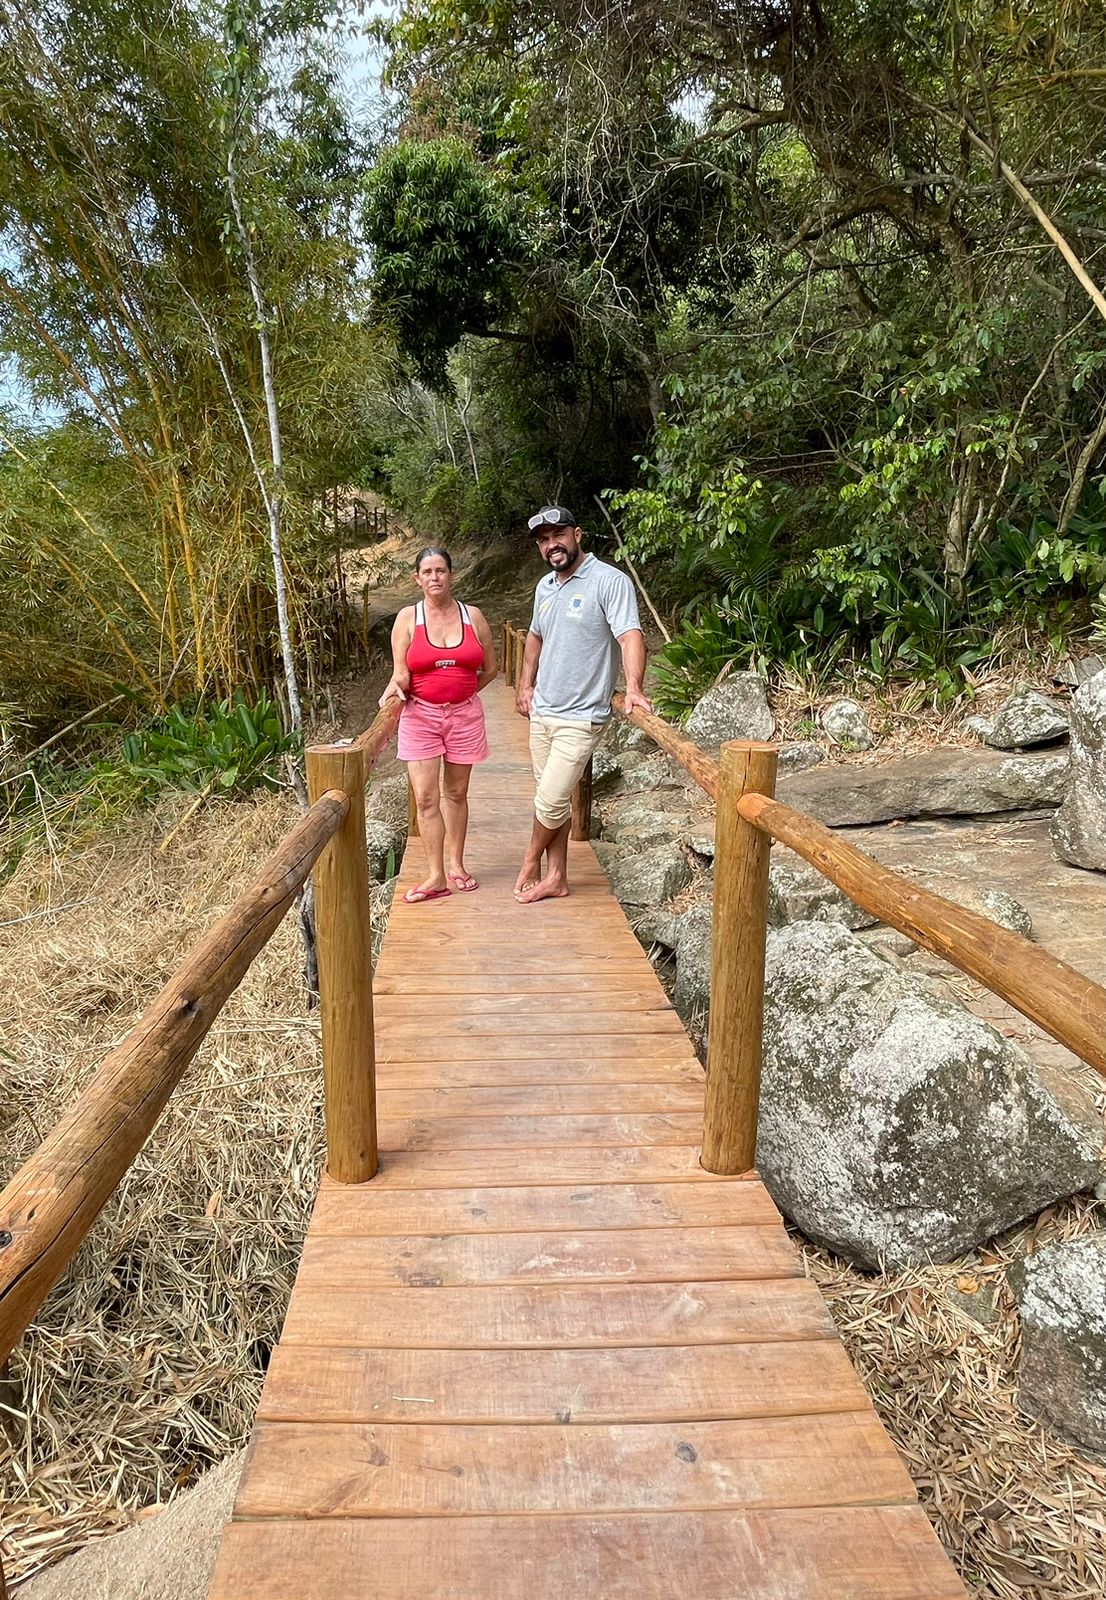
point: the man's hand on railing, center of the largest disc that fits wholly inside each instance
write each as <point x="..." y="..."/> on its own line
<point x="635" y="701"/>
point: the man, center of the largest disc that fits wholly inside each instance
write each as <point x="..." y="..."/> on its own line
<point x="585" y="615"/>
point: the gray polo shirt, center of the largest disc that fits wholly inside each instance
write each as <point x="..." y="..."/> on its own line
<point x="579" y="623"/>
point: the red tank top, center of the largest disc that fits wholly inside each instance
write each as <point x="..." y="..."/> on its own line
<point x="442" y="675"/>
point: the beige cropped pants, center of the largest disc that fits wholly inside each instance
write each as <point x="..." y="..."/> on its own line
<point x="559" y="752"/>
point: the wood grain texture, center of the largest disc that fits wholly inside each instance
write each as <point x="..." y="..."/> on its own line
<point x="363" y="1210"/>
<point x="738" y="934"/>
<point x="556" y="1316"/>
<point x="677" y="1382"/>
<point x="344" y="948"/>
<point x="540" y="1100"/>
<point x="452" y="1169"/>
<point x="404" y="1469"/>
<point x="618" y="1255"/>
<point x="827" y="1553"/>
<point x="518" y="1132"/>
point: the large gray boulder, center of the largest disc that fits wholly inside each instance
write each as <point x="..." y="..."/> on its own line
<point x="798" y="892"/>
<point x="1027" y="718"/>
<point x="1079" y="827"/>
<point x="648" y="877"/>
<point x="645" y="820"/>
<point x="737" y="708"/>
<point x="801" y="757"/>
<point x="896" y="1127"/>
<point x="938" y="783"/>
<point x="691" y="991"/>
<point x="1061" y="1292"/>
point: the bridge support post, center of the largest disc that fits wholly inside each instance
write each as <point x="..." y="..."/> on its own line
<point x="505" y="652"/>
<point x="738" y="932"/>
<point x="344" y="937"/>
<point x="581" y="806"/>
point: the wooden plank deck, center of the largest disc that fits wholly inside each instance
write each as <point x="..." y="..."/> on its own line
<point x="543" y="1355"/>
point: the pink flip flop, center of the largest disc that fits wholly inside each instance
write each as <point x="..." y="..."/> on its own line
<point x="464" y="882"/>
<point x="416" y="896"/>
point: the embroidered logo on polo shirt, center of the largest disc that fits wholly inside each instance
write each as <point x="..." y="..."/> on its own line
<point x="576" y="605"/>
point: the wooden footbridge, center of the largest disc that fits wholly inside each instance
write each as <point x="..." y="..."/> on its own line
<point x="535" y="1350"/>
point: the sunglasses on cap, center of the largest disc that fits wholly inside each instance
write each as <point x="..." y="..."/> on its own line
<point x="552" y="517"/>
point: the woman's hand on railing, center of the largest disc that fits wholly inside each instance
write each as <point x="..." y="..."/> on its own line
<point x="396" y="690"/>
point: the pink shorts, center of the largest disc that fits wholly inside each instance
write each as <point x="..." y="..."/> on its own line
<point x="455" y="732"/>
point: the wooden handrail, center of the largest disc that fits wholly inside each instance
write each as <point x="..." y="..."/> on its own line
<point x="49" y="1205"/>
<point x="694" y="761"/>
<point x="1068" y="1005"/>
<point x="380" y="731"/>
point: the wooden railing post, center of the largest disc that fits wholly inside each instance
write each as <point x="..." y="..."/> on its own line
<point x="738" y="931"/>
<point x="344" y="937"/>
<point x="581" y="805"/>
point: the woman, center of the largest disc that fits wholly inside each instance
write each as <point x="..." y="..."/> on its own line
<point x="442" y="656"/>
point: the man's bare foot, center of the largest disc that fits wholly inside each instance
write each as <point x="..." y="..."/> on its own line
<point x="547" y="889"/>
<point x="529" y="874"/>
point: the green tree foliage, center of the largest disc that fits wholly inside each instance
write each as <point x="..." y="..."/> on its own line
<point x="444" y="237"/>
<point x="851" y="252"/>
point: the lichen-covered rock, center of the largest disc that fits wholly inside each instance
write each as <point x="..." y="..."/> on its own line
<point x="737" y="708"/>
<point x="1061" y="1292"/>
<point x="1001" y="907"/>
<point x="937" y="783"/>
<point x="1079" y="827"/>
<point x="645" y="820"/>
<point x="656" y="927"/>
<point x="798" y="892"/>
<point x="691" y="991"/>
<point x="980" y="726"/>
<point x="801" y="757"/>
<point x="649" y="877"/>
<point x="847" y="725"/>
<point x="896" y="1127"/>
<point x="385" y="843"/>
<point x="1027" y="718"/>
<point x="1076" y="671"/>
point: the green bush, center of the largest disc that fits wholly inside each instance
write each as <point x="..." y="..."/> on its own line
<point x="230" y="746"/>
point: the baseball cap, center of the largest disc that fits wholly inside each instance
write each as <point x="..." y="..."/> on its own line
<point x="552" y="517"/>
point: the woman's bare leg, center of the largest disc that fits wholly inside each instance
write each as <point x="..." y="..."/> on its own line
<point x="425" y="781"/>
<point x="455" y="811"/>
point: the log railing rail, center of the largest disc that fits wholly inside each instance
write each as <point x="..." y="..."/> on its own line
<point x="1061" y="1000"/>
<point x="48" y="1206"/>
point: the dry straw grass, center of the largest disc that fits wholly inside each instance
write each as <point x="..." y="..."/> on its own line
<point x="1022" y="1513"/>
<point x="145" y="1364"/>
